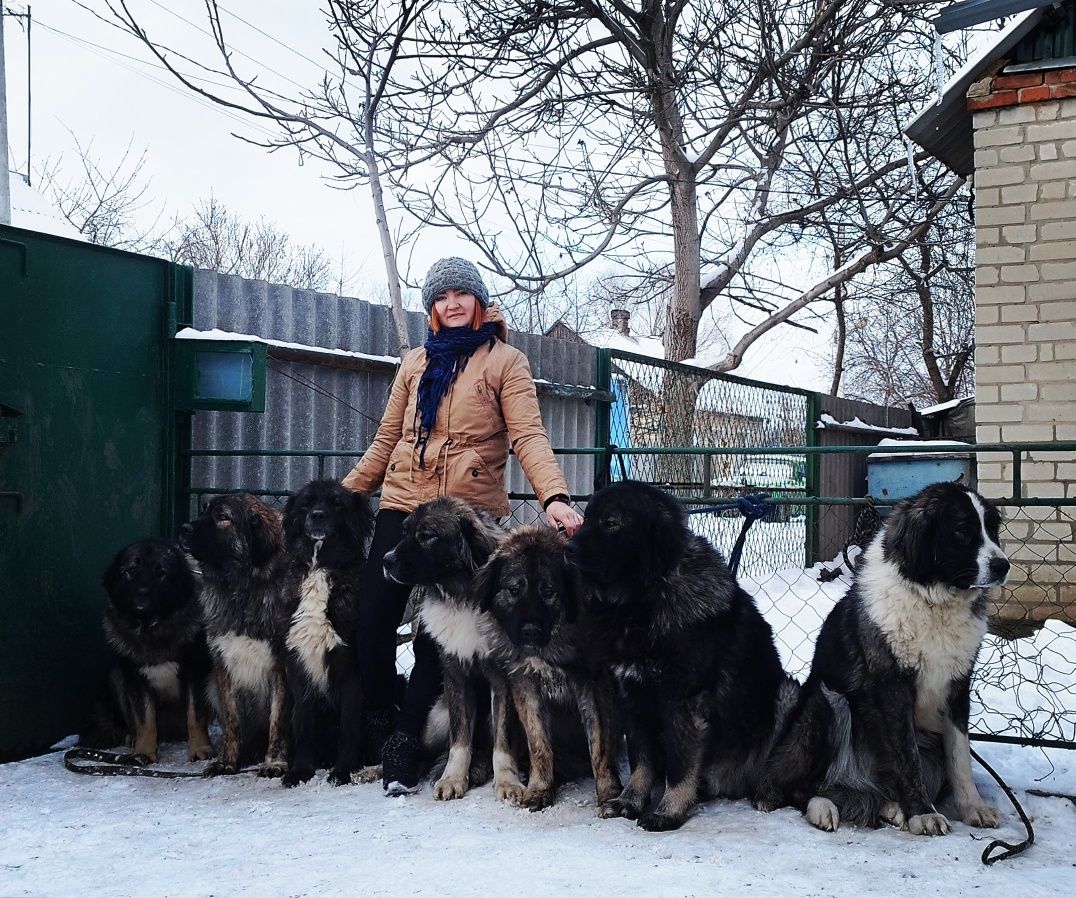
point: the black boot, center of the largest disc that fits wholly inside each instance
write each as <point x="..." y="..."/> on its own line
<point x="400" y="768"/>
<point x="377" y="726"/>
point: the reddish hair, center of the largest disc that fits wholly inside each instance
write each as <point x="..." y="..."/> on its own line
<point x="479" y="318"/>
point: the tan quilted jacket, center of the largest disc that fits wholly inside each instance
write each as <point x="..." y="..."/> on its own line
<point x="492" y="402"/>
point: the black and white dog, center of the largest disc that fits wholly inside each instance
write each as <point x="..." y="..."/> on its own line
<point x="326" y="527"/>
<point x="881" y="728"/>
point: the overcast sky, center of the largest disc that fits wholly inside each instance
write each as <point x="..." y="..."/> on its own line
<point x="99" y="82"/>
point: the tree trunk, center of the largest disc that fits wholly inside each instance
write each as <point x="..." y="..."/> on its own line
<point x="842" y="335"/>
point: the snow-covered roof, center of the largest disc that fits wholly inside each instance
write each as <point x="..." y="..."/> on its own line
<point x="943" y="406"/>
<point x="190" y="333"/>
<point x="827" y="420"/>
<point x="943" y="127"/>
<point x="31" y="211"/>
<point x="608" y="338"/>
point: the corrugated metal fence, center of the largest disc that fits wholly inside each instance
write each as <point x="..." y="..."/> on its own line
<point x="338" y="404"/>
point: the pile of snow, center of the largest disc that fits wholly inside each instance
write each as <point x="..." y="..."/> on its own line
<point x="827" y="420"/>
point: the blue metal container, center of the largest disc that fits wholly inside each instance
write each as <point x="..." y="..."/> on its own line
<point x="892" y="477"/>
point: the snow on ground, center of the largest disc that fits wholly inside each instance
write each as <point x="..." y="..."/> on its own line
<point x="64" y="834"/>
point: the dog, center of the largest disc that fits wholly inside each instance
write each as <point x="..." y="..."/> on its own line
<point x="444" y="543"/>
<point x="326" y="527"/>
<point x="535" y="632"/>
<point x="699" y="676"/>
<point x="153" y="625"/>
<point x="882" y="724"/>
<point x="238" y="544"/>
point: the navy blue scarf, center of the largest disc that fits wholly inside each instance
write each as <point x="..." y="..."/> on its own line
<point x="447" y="352"/>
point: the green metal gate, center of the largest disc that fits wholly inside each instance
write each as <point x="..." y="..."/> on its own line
<point x="87" y="441"/>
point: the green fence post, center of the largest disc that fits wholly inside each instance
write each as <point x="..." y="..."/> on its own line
<point x="814" y="463"/>
<point x="603" y="376"/>
<point x="178" y="425"/>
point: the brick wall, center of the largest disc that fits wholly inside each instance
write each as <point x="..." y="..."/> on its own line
<point x="1025" y="320"/>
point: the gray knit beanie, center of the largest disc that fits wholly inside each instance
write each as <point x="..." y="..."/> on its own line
<point x="453" y="273"/>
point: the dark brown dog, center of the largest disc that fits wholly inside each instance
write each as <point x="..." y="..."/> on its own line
<point x="537" y="632"/>
<point x="326" y="527"/>
<point x="444" y="542"/>
<point x="237" y="543"/>
<point x="153" y="624"/>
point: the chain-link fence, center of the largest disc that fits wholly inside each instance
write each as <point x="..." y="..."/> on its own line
<point x="1025" y="686"/>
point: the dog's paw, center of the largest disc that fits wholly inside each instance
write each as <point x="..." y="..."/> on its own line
<point x="272" y="768"/>
<point x="894" y="816"/>
<point x="220" y="768"/>
<point x="480" y="773"/>
<point x="199" y="752"/>
<point x="537" y="799"/>
<point x="509" y="790"/>
<point x="982" y="815"/>
<point x="620" y="807"/>
<point x="823" y="813"/>
<point x="449" y="787"/>
<point x="767" y="800"/>
<point x="929" y="825"/>
<point x="657" y="822"/>
<point x="294" y="778"/>
<point x="607" y="790"/>
<point x="371" y="774"/>
<point x="339" y="776"/>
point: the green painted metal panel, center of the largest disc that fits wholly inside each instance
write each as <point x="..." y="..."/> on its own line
<point x="83" y="360"/>
<point x="1054" y="39"/>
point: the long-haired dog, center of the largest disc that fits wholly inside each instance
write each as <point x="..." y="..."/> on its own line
<point x="153" y="624"/>
<point x="882" y="725"/>
<point x="326" y="527"/>
<point x="238" y="545"/>
<point x="536" y="632"/>
<point x="444" y="543"/>
<point x="702" y="686"/>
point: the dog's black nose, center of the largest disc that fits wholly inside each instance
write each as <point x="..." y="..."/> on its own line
<point x="186" y="530"/>
<point x="185" y="533"/>
<point x="571" y="551"/>
<point x="531" y="634"/>
<point x="999" y="567"/>
<point x="316" y="514"/>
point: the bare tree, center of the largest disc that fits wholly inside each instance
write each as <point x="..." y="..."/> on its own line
<point x="912" y="338"/>
<point x="216" y="238"/>
<point x="343" y="120"/>
<point x="103" y="201"/>
<point x="695" y="141"/>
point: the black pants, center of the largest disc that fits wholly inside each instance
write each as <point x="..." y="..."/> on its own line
<point x="380" y="612"/>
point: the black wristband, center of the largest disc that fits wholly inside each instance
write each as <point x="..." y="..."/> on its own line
<point x="557" y="497"/>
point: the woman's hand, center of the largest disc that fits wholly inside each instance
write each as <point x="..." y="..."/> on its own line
<point x="562" y="516"/>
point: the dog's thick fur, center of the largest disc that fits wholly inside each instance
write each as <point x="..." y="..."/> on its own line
<point x="702" y="686"/>
<point x="444" y="543"/>
<point x="153" y="624"/>
<point x="882" y="724"/>
<point x="536" y="633"/>
<point x="238" y="544"/>
<point x="326" y="528"/>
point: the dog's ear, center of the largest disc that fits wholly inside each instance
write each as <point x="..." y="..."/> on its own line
<point x="293" y="521"/>
<point x="909" y="540"/>
<point x="363" y="515"/>
<point x="110" y="580"/>
<point x="265" y="532"/>
<point x="668" y="534"/>
<point x="487" y="581"/>
<point x="478" y="542"/>
<point x="571" y="592"/>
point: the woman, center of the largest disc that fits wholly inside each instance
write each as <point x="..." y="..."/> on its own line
<point x="456" y="404"/>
